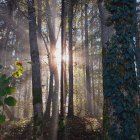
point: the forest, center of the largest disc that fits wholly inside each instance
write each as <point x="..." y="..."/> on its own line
<point x="69" y="69"/>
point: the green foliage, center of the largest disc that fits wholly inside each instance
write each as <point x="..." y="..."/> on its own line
<point x="121" y="86"/>
<point x="10" y="101"/>
<point x="17" y="129"/>
<point x="6" y="91"/>
<point x="2" y="119"/>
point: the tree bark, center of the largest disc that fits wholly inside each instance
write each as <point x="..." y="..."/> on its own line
<point x="39" y="19"/>
<point x="121" y="85"/>
<point x="63" y="61"/>
<point x="54" y="71"/>
<point x="36" y="76"/>
<point x="88" y="80"/>
<point x="106" y="33"/>
<point x="70" y="22"/>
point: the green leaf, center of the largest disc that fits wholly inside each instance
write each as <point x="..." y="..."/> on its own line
<point x="7" y="91"/>
<point x="4" y="80"/>
<point x="10" y="90"/>
<point x="2" y="119"/>
<point x="10" y="101"/>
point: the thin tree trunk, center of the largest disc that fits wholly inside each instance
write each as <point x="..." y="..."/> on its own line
<point x="137" y="50"/>
<point x="63" y="52"/>
<point x="47" y="114"/>
<point x="54" y="13"/>
<point x="88" y="81"/>
<point x="70" y="22"/>
<point x="54" y="70"/>
<point x="83" y="58"/>
<point x="36" y="76"/>
<point x="98" y="96"/>
<point x="92" y="77"/>
<point x="106" y="33"/>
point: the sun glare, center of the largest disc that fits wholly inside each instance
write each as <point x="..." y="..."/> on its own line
<point x="66" y="58"/>
<point x="58" y="54"/>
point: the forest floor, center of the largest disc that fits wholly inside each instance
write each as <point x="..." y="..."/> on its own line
<point x="86" y="128"/>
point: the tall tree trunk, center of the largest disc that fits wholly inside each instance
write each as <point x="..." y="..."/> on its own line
<point x="12" y="5"/>
<point x="63" y="53"/>
<point x="99" y="88"/>
<point x="137" y="50"/>
<point x="88" y="81"/>
<point x="70" y="22"/>
<point x="92" y="77"/>
<point x="47" y="114"/>
<point x="39" y="17"/>
<point x="54" y="13"/>
<point x="121" y="83"/>
<point x="36" y="76"/>
<point x="83" y="58"/>
<point x="54" y="71"/>
<point x="106" y="33"/>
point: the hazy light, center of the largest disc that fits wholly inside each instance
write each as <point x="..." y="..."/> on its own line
<point x="58" y="53"/>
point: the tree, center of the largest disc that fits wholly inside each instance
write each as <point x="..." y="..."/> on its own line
<point x="63" y="52"/>
<point x="53" y="73"/>
<point x="137" y="50"/>
<point x="106" y="34"/>
<point x="39" y="19"/>
<point x="88" y="80"/>
<point x="70" y="23"/>
<point x="36" y="79"/>
<point x="121" y="84"/>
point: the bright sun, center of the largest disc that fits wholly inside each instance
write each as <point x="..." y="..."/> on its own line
<point x="58" y="54"/>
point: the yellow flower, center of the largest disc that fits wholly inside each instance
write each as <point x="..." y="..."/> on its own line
<point x="19" y="69"/>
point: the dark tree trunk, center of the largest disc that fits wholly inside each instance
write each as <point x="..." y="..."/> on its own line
<point x="63" y="51"/>
<point x="121" y="87"/>
<point x="106" y="33"/>
<point x="137" y="50"/>
<point x="70" y="22"/>
<point x="12" y="5"/>
<point x="36" y="76"/>
<point x="39" y="19"/>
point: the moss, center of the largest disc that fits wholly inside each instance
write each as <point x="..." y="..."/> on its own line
<point x="121" y="83"/>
